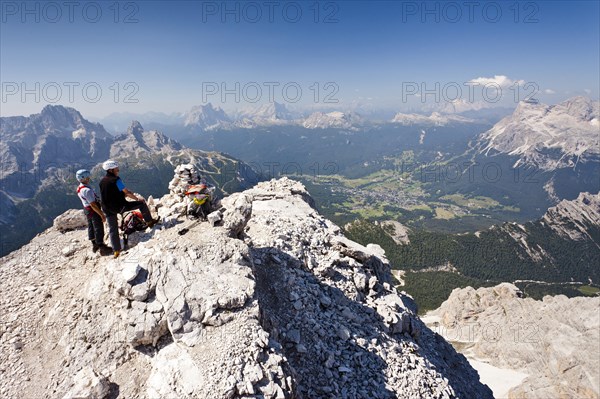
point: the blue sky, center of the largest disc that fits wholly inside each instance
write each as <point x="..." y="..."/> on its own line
<point x="371" y="54"/>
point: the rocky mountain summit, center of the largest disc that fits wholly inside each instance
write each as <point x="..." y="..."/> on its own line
<point x="552" y="343"/>
<point x="267" y="300"/>
<point x="206" y="117"/>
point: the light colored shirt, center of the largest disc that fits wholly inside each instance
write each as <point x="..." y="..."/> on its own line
<point x="87" y="195"/>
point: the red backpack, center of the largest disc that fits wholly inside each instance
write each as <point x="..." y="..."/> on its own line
<point x="132" y="222"/>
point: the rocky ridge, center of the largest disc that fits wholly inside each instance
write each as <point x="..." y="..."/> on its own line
<point x="573" y="219"/>
<point x="272" y="301"/>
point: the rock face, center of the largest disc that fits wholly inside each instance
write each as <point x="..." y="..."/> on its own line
<point x="273" y="302"/>
<point x="70" y="220"/>
<point x="553" y="341"/>
<point x="574" y="219"/>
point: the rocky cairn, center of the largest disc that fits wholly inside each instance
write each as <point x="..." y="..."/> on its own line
<point x="271" y="301"/>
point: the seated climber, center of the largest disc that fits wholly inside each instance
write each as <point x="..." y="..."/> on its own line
<point x="91" y="207"/>
<point x="113" y="193"/>
<point x="200" y="198"/>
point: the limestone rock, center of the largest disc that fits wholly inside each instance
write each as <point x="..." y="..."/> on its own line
<point x="553" y="343"/>
<point x="88" y="385"/>
<point x="70" y="220"/>
<point x="214" y="218"/>
<point x="238" y="208"/>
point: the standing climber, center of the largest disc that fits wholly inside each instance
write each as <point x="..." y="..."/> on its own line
<point x="91" y="207"/>
<point x="113" y="193"/>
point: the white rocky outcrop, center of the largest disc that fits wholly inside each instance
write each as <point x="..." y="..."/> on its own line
<point x="70" y="220"/>
<point x="552" y="344"/>
<point x="271" y="302"/>
<point x="88" y="385"/>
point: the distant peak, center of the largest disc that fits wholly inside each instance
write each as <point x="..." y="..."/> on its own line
<point x="578" y="99"/>
<point x="135" y="128"/>
<point x="531" y="101"/>
<point x="55" y="110"/>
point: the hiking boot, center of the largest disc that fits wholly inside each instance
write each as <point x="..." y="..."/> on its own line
<point x="153" y="222"/>
<point x="117" y="254"/>
<point x="95" y="247"/>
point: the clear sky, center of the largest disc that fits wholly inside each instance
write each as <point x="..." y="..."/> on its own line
<point x="168" y="56"/>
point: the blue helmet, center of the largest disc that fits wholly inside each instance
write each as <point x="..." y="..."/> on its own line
<point x="82" y="174"/>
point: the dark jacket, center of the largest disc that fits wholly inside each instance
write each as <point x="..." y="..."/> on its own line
<point x="113" y="200"/>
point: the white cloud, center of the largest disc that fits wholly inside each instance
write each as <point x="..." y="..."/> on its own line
<point x="500" y="80"/>
<point x="588" y="91"/>
<point x="549" y="91"/>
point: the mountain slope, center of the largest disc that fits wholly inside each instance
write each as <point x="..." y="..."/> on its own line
<point x="218" y="313"/>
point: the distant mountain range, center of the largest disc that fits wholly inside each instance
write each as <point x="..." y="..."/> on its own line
<point x="550" y="123"/>
<point x="117" y="122"/>
<point x="435" y="119"/>
<point x="207" y="117"/>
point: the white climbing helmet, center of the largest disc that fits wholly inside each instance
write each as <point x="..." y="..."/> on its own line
<point x="110" y="164"/>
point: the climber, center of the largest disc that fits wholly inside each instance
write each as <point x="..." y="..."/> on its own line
<point x="201" y="198"/>
<point x="113" y="193"/>
<point x="95" y="216"/>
